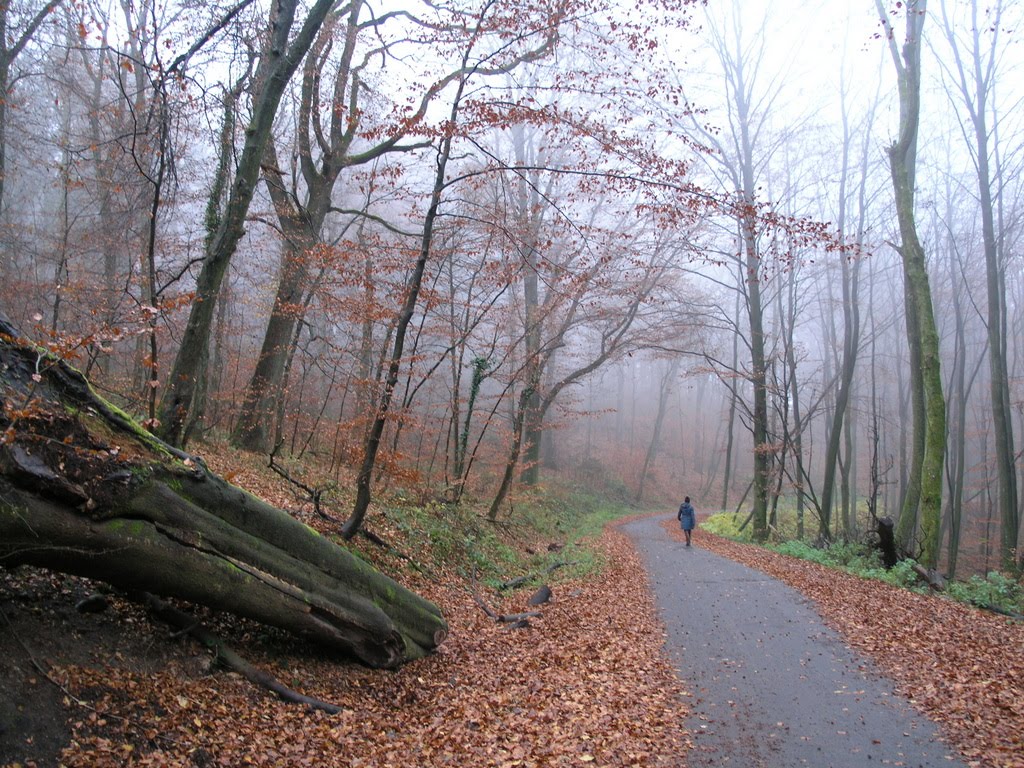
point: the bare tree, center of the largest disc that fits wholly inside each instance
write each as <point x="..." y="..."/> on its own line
<point x="279" y="60"/>
<point x="327" y="145"/>
<point x="666" y="384"/>
<point x="973" y="72"/>
<point x="850" y="279"/>
<point x="15" y="33"/>
<point x="742" y="152"/>
<point x="535" y="44"/>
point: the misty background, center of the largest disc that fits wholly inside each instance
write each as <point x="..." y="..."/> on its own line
<point x="660" y="248"/>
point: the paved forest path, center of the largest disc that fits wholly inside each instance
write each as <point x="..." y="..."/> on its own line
<point x="772" y="685"/>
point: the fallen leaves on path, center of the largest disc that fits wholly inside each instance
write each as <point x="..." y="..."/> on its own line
<point x="585" y="684"/>
<point x="962" y="667"/>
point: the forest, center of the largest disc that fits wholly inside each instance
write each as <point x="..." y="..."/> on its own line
<point x="362" y="353"/>
<point x="769" y="260"/>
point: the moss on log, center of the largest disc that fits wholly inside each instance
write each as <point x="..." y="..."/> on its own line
<point x="84" y="490"/>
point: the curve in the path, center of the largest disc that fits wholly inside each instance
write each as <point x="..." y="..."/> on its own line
<point x="772" y="685"/>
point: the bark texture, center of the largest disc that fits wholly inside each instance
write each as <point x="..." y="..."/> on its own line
<point x="83" y="490"/>
<point x="921" y="327"/>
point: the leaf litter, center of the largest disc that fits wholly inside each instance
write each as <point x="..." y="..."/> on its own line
<point x="585" y="684"/>
<point x="960" y="666"/>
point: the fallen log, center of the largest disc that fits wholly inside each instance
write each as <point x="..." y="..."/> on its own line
<point x="931" y="577"/>
<point x="85" y="490"/>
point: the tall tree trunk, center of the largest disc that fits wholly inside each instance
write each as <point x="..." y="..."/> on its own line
<point x="530" y="215"/>
<point x="976" y="83"/>
<point x="301" y="223"/>
<point x="958" y="409"/>
<point x="758" y="379"/>
<point x="513" y="457"/>
<point x="922" y="331"/>
<point x="852" y="326"/>
<point x="11" y="46"/>
<point x="256" y="420"/>
<point x="412" y="289"/>
<point x="794" y="396"/>
<point x="664" y="390"/>
<point x="110" y="246"/>
<point x="280" y="60"/>
<point x="851" y="343"/>
<point x="730" y="421"/>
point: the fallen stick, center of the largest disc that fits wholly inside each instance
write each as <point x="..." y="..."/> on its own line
<point x="517" y="619"/>
<point x="511" y="618"/>
<point x="516" y="583"/>
<point x="224" y="655"/>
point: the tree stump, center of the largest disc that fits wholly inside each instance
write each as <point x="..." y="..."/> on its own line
<point x="887" y="542"/>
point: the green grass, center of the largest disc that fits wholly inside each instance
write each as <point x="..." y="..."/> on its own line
<point x="727" y="525"/>
<point x="517" y="544"/>
<point x="786" y="525"/>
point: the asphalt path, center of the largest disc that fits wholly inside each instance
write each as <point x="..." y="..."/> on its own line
<point x="772" y="685"/>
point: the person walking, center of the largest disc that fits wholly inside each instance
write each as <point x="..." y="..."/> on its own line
<point x="687" y="518"/>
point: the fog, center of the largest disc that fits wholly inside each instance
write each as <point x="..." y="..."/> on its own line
<point x="649" y="252"/>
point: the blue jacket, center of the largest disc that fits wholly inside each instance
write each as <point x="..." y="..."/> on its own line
<point x="687" y="516"/>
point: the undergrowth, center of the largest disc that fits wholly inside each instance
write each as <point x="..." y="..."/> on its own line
<point x="727" y="526"/>
<point x="545" y="530"/>
<point x="995" y="590"/>
<point x="992" y="591"/>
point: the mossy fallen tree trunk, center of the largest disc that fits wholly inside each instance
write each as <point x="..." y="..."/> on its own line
<point x="84" y="490"/>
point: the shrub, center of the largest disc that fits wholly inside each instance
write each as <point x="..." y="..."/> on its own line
<point x="804" y="551"/>
<point x="993" y="591"/>
<point x="727" y="525"/>
<point x="850" y="556"/>
<point x="854" y="558"/>
<point x="902" y="575"/>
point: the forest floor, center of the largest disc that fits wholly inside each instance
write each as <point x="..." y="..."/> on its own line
<point x="586" y="683"/>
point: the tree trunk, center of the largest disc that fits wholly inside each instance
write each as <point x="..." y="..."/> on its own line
<point x="921" y="329"/>
<point x="513" y="458"/>
<point x="279" y="62"/>
<point x="851" y="332"/>
<point x="530" y="215"/>
<point x="758" y="380"/>
<point x="794" y="396"/>
<point x="976" y="82"/>
<point x="664" y="390"/>
<point x="413" y="284"/>
<point x="730" y="420"/>
<point x="255" y="426"/>
<point x="84" y="490"/>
